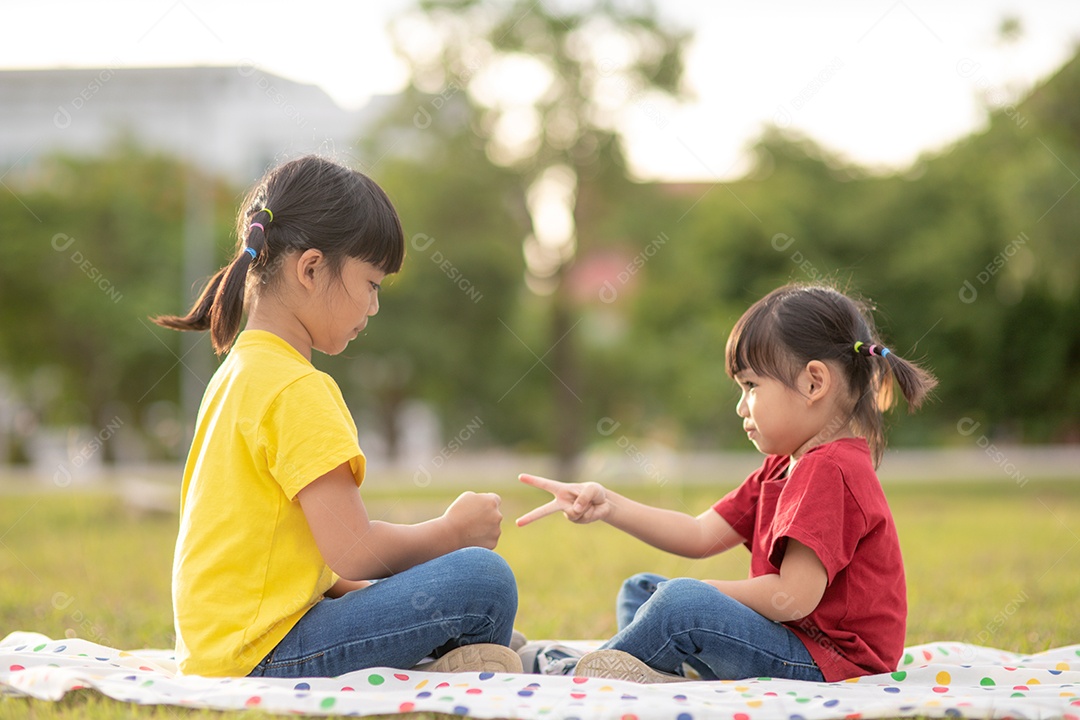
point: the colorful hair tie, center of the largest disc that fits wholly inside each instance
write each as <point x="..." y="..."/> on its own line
<point x="258" y="225"/>
<point x="251" y="251"/>
<point x="879" y="350"/>
<point x="267" y="211"/>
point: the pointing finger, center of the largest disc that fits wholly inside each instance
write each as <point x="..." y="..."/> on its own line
<point x="540" y="512"/>
<point x="540" y="482"/>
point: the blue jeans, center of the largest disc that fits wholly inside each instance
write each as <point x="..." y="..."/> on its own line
<point x="465" y="597"/>
<point x="666" y="623"/>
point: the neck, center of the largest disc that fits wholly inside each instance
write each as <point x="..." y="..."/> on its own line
<point x="837" y="428"/>
<point x="271" y="315"/>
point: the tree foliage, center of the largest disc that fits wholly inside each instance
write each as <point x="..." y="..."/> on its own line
<point x="971" y="256"/>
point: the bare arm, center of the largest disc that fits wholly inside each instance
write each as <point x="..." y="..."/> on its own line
<point x="343" y="586"/>
<point x="791" y="595"/>
<point x="357" y="548"/>
<point x="668" y="530"/>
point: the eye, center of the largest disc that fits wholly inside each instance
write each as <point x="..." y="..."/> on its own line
<point x="375" y="286"/>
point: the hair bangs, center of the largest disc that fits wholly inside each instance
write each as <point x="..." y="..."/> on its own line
<point x="754" y="344"/>
<point x="382" y="238"/>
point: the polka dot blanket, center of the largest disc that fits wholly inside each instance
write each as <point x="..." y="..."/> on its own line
<point x="936" y="680"/>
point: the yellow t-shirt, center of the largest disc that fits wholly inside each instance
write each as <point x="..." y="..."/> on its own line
<point x="246" y="567"/>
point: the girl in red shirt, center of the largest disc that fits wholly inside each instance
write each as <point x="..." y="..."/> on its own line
<point x="825" y="599"/>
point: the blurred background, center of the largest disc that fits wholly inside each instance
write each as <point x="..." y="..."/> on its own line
<point x="592" y="193"/>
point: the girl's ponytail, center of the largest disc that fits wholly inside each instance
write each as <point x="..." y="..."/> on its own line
<point x="914" y="381"/>
<point x="220" y="306"/>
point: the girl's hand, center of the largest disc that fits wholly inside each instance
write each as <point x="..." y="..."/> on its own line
<point x="580" y="502"/>
<point x="475" y="518"/>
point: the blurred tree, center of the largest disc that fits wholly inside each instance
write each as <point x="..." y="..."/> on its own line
<point x="93" y="248"/>
<point x="438" y="335"/>
<point x="971" y="256"/>
<point x="549" y="85"/>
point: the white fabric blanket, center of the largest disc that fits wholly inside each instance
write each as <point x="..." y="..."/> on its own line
<point x="946" y="679"/>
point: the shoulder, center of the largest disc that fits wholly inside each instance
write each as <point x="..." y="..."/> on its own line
<point x="849" y="458"/>
<point x="847" y="467"/>
<point x="266" y="371"/>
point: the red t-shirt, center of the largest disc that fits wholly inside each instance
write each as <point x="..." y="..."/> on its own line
<point x="833" y="504"/>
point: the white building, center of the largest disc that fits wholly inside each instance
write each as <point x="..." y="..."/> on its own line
<point x="235" y="121"/>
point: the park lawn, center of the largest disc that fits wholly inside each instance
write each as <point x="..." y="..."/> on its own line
<point x="992" y="563"/>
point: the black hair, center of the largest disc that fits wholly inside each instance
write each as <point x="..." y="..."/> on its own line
<point x="309" y="202"/>
<point x="795" y="324"/>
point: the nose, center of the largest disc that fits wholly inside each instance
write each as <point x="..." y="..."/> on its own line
<point x="373" y="306"/>
<point x="742" y="409"/>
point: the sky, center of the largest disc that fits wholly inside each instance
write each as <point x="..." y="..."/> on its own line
<point x="877" y="82"/>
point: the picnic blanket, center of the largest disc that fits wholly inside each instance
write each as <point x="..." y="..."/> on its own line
<point x="947" y="679"/>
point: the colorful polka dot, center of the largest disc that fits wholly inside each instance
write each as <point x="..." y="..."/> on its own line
<point x="327" y="703"/>
<point x="406" y="707"/>
<point x="252" y="701"/>
<point x="375" y="679"/>
<point x="943" y="678"/>
<point x="302" y="686"/>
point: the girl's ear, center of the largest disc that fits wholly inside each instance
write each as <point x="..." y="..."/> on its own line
<point x="817" y="380"/>
<point x="307" y="267"/>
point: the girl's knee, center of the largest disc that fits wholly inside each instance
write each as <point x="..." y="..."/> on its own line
<point x="485" y="570"/>
<point x="642" y="581"/>
<point x="685" y="591"/>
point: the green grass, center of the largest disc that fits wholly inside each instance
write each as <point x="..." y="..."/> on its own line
<point x="990" y="563"/>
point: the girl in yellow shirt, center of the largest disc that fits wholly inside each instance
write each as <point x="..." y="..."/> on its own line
<point x="275" y="558"/>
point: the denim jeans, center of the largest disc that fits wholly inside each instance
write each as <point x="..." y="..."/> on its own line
<point x="465" y="597"/>
<point x="666" y="623"/>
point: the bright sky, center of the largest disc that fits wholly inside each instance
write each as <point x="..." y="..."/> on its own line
<point x="878" y="81"/>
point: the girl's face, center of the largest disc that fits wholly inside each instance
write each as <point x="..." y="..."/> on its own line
<point x="776" y="417"/>
<point x="347" y="304"/>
